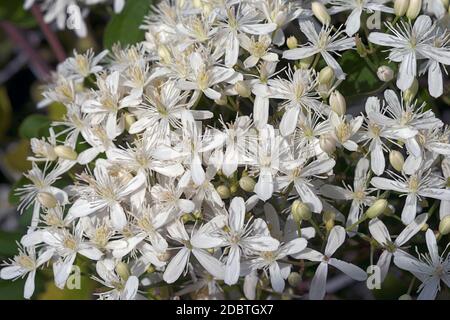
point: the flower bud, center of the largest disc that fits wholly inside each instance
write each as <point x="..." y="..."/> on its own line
<point x="376" y="208"/>
<point x="306" y="62"/>
<point x="47" y="199"/>
<point x="405" y="297"/>
<point x="444" y="226"/>
<point x="328" y="218"/>
<point x="410" y="93"/>
<point x="400" y="7"/>
<point x="396" y="160"/>
<point x="294" y="279"/>
<point x="320" y="12"/>
<point x="222" y="101"/>
<point x="385" y="73"/>
<point x="292" y="42"/>
<point x="360" y="47"/>
<point x="337" y="103"/>
<point x="65" y="152"/>
<point x="234" y="188"/>
<point x="247" y="183"/>
<point x="300" y="211"/>
<point x="413" y="9"/>
<point x="327" y="143"/>
<point x="242" y="89"/>
<point x="151" y="269"/>
<point x="223" y="191"/>
<point x="129" y="120"/>
<point x="424" y="227"/>
<point x="326" y="76"/>
<point x="122" y="270"/>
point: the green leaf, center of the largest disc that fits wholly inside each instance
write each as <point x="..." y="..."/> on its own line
<point x="360" y="78"/>
<point x="14" y="12"/>
<point x="123" y="28"/>
<point x="8" y="246"/>
<point x="35" y="125"/>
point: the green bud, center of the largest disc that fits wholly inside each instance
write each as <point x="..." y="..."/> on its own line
<point x="247" y="184"/>
<point x="400" y="7"/>
<point x="294" y="279"/>
<point x="396" y="160"/>
<point x="410" y="93"/>
<point x="444" y="226"/>
<point x="223" y="191"/>
<point x="122" y="270"/>
<point x="292" y="42"/>
<point x="300" y="211"/>
<point x="414" y="9"/>
<point x="376" y="208"/>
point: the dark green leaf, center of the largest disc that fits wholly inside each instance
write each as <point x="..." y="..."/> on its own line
<point x="123" y="28"/>
<point x="35" y="125"/>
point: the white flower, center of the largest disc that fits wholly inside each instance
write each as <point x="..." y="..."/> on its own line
<point x="298" y="93"/>
<point x="81" y="66"/>
<point x="195" y="244"/>
<point x="357" y="7"/>
<point x="121" y="289"/>
<point x="240" y="238"/>
<point x="104" y="191"/>
<point x="421" y="184"/>
<point x="41" y="182"/>
<point x="300" y="172"/>
<point x="278" y="271"/>
<point x="204" y="76"/>
<point x="430" y="268"/>
<point x="237" y="20"/>
<point x="409" y="44"/>
<point x="318" y="284"/>
<point x="391" y="248"/>
<point x="258" y="49"/>
<point x="323" y="43"/>
<point x="359" y="194"/>
<point x="108" y="101"/>
<point x="344" y="129"/>
<point x="25" y="264"/>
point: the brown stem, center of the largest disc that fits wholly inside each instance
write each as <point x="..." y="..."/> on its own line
<point x="40" y="67"/>
<point x="51" y="37"/>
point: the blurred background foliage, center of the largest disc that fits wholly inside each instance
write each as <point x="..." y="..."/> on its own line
<point x="26" y="61"/>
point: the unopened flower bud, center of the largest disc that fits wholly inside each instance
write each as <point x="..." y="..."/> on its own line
<point x="326" y="76"/>
<point x="405" y="297"/>
<point x="47" y="199"/>
<point x="65" y="152"/>
<point x="328" y="217"/>
<point x="129" y="120"/>
<point x="410" y="93"/>
<point x="413" y="9"/>
<point x="300" y="211"/>
<point x="292" y="42"/>
<point x="424" y="227"/>
<point x="360" y="47"/>
<point x="222" y="101"/>
<point x="337" y="103"/>
<point x="400" y="7"/>
<point x="247" y="184"/>
<point x="376" y="208"/>
<point x="234" y="188"/>
<point x="151" y="269"/>
<point x="327" y="143"/>
<point x="122" y="270"/>
<point x="306" y="62"/>
<point x="444" y="226"/>
<point x="385" y="73"/>
<point x="320" y="12"/>
<point x="242" y="89"/>
<point x="223" y="191"/>
<point x="294" y="279"/>
<point x="396" y="160"/>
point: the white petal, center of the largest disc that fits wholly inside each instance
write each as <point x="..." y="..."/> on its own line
<point x="237" y="214"/>
<point x="318" y="283"/>
<point x="176" y="266"/>
<point x="349" y="269"/>
<point x="335" y="240"/>
<point x="232" y="268"/>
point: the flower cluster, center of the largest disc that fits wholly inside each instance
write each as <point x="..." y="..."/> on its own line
<point x="218" y="155"/>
